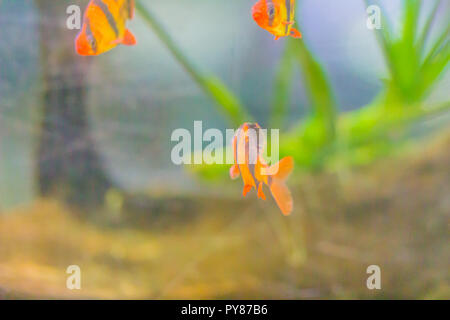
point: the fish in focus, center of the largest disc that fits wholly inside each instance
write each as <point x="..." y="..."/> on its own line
<point x="249" y="163"/>
<point x="105" y="26"/>
<point x="277" y="17"/>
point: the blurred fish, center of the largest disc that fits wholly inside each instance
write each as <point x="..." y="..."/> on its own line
<point x="248" y="148"/>
<point x="277" y="17"/>
<point x="104" y="27"/>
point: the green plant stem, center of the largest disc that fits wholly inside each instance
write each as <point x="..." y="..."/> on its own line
<point x="282" y="89"/>
<point x="408" y="118"/>
<point x="439" y="43"/>
<point x="383" y="37"/>
<point x="411" y="10"/>
<point x="426" y="29"/>
<point x="211" y="85"/>
<point x="318" y="88"/>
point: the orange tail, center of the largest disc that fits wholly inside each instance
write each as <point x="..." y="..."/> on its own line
<point x="278" y="188"/>
<point x="129" y="39"/>
<point x="295" y="33"/>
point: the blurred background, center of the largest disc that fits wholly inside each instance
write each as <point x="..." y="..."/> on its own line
<point x="86" y="177"/>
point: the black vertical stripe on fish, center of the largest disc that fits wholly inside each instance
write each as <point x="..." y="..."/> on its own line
<point x="130" y="6"/>
<point x="236" y="149"/>
<point x="254" y="130"/>
<point x="238" y="137"/>
<point x="90" y="35"/>
<point x="288" y="9"/>
<point x="251" y="166"/>
<point x="259" y="141"/>
<point x="252" y="162"/>
<point x="126" y="9"/>
<point x="108" y="14"/>
<point x="270" y="7"/>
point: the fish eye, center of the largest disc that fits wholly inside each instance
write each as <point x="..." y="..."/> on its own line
<point x="92" y="43"/>
<point x="271" y="11"/>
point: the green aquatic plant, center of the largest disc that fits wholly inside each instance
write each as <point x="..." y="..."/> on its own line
<point x="318" y="131"/>
<point x="362" y="135"/>
<point x="413" y="72"/>
<point x="228" y="103"/>
<point x="282" y="90"/>
<point x="415" y="62"/>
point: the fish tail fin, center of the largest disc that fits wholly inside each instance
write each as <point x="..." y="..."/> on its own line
<point x="246" y="190"/>
<point x="260" y="191"/>
<point x="295" y="33"/>
<point x="278" y="188"/>
<point x="129" y="39"/>
<point x="282" y="196"/>
<point x="282" y="169"/>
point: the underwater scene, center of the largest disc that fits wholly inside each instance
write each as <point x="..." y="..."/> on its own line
<point x="239" y="149"/>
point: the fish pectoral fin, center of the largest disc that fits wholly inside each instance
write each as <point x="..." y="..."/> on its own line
<point x="260" y="191"/>
<point x="128" y="39"/>
<point x="247" y="188"/>
<point x="288" y="23"/>
<point x="295" y="33"/>
<point x="234" y="172"/>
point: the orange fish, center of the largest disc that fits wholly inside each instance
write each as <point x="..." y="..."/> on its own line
<point x="249" y="163"/>
<point x="277" y="17"/>
<point x="104" y="27"/>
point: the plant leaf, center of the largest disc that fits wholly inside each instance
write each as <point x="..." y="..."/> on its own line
<point x="228" y="103"/>
<point x="282" y="89"/>
<point x="427" y="27"/>
<point x="318" y="88"/>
